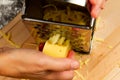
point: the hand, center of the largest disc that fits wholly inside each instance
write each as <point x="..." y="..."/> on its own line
<point x="97" y="5"/>
<point x="26" y="63"/>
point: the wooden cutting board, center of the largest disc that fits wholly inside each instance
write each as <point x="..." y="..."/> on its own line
<point x="104" y="61"/>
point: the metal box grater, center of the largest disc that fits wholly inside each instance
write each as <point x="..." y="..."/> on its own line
<point x="70" y="18"/>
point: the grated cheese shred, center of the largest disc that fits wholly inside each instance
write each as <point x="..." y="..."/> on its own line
<point x="80" y="75"/>
<point x="7" y="37"/>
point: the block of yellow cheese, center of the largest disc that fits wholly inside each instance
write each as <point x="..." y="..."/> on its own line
<point x="55" y="50"/>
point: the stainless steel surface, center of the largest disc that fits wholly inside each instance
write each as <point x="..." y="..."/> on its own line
<point x="78" y="2"/>
<point x="35" y="10"/>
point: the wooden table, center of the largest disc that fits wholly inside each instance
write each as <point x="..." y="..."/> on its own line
<point x="104" y="61"/>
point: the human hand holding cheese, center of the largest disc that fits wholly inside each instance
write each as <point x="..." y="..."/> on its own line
<point x="27" y="63"/>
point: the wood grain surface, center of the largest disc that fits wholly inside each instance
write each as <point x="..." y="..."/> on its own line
<point x="104" y="61"/>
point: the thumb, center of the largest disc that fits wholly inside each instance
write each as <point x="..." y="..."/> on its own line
<point x="95" y="11"/>
<point x="61" y="64"/>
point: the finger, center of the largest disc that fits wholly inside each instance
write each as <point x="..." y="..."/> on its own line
<point x="59" y="64"/>
<point x="50" y="75"/>
<point x="97" y="2"/>
<point x="66" y="75"/>
<point x="95" y="11"/>
<point x="97" y="5"/>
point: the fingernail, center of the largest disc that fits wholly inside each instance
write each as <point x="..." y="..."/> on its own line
<point x="75" y="65"/>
